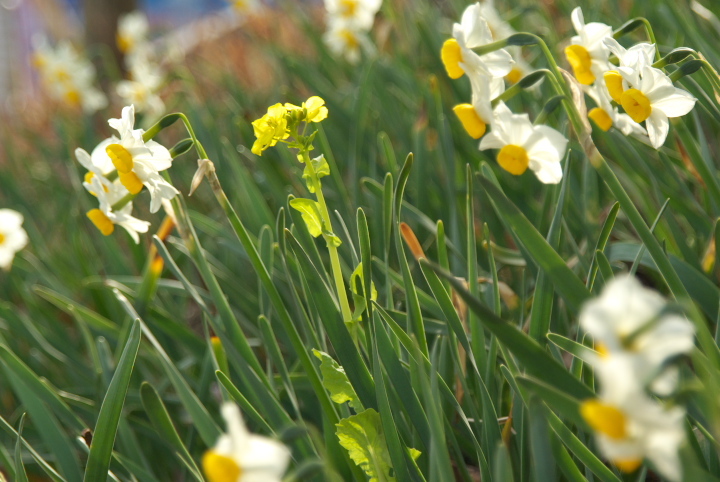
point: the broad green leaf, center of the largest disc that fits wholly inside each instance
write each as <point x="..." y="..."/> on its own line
<point x="111" y="410"/>
<point x="322" y="169"/>
<point x="310" y="214"/>
<point x="336" y="381"/>
<point x="362" y="436"/>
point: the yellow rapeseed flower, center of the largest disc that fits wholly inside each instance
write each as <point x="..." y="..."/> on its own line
<point x="270" y="128"/>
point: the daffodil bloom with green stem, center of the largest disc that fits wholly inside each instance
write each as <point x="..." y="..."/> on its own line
<point x="597" y="160"/>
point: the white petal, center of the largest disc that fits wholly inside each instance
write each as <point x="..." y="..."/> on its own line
<point x="10" y="219"/>
<point x="498" y="63"/>
<point x="676" y="104"/>
<point x="577" y="19"/>
<point x="657" y="126"/>
<point x="492" y="141"/>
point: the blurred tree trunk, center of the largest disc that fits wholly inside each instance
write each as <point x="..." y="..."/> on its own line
<point x="101" y="17"/>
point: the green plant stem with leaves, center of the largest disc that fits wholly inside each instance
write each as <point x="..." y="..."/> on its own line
<point x="332" y="249"/>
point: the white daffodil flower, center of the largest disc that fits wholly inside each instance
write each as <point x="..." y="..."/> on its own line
<point x="358" y="15"/>
<point x="472" y="32"/>
<point x="630" y="319"/>
<point x="476" y="116"/>
<point x="141" y="90"/>
<point x="138" y="162"/>
<point x="653" y="98"/>
<point x="239" y="456"/>
<point x="631" y="426"/>
<point x="636" y="58"/>
<point x="105" y="218"/>
<point x="132" y="31"/>
<point x="605" y="115"/>
<point x="500" y="30"/>
<point x="244" y="7"/>
<point x="344" y="40"/>
<point x="523" y="145"/>
<point x="67" y="76"/>
<point x="588" y="55"/>
<point x="13" y="237"/>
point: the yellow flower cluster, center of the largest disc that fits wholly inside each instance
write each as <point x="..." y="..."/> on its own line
<point x="281" y="121"/>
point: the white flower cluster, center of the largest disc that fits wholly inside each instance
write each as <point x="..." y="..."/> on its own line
<point x="118" y="169"/>
<point x="13" y="237"/>
<point x="145" y="75"/>
<point x="637" y="341"/>
<point x="645" y="93"/>
<point x="67" y="76"/>
<point x="521" y="144"/>
<point x="348" y="22"/>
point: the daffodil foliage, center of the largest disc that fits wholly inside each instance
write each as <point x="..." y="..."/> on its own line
<point x="365" y="241"/>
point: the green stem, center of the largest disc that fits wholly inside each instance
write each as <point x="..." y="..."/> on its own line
<point x="332" y="249"/>
<point x="123" y="201"/>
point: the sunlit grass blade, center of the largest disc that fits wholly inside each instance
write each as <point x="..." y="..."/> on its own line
<point x="20" y="474"/>
<point x="206" y="426"/>
<point x="111" y="410"/>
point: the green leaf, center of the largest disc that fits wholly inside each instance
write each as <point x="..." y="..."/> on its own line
<point x="111" y="410"/>
<point x="322" y="169"/>
<point x="565" y="281"/>
<point x="20" y="475"/>
<point x="336" y="381"/>
<point x="310" y="213"/>
<point x="534" y="358"/>
<point x="363" y="438"/>
<point x="161" y="421"/>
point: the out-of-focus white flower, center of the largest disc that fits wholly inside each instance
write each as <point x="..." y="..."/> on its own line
<point x="132" y="31"/>
<point x="344" y="40"/>
<point x="141" y="90"/>
<point x="588" y="55"/>
<point x="476" y="116"/>
<point x="356" y="14"/>
<point x="629" y="425"/>
<point x="605" y="115"/>
<point x="138" y="162"/>
<point x="67" y="76"/>
<point x="243" y="7"/>
<point x="630" y="319"/>
<point x="653" y="98"/>
<point x="523" y="145"/>
<point x="13" y="237"/>
<point x="239" y="456"/>
<point x="470" y="33"/>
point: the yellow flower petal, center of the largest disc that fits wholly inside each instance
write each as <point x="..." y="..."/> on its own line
<point x="470" y="119"/>
<point x="601" y="118"/>
<point x="604" y="418"/>
<point x="514" y="159"/>
<point x="636" y="104"/>
<point x="451" y="56"/>
<point x="614" y="84"/>
<point x="580" y="61"/>
<point x="101" y="221"/>
<point x="219" y="468"/>
<point x="120" y="157"/>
